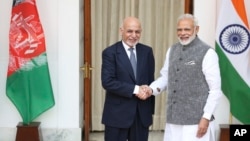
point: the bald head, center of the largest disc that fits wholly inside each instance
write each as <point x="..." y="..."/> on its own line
<point x="130" y="31"/>
<point x="129" y="21"/>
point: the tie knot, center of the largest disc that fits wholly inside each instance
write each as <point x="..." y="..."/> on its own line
<point x="131" y="49"/>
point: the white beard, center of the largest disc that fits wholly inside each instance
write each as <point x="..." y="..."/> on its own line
<point x="190" y="39"/>
<point x="131" y="44"/>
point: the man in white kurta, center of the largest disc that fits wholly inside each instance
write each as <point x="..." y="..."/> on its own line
<point x="192" y="79"/>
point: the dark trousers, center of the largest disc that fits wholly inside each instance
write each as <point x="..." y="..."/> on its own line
<point x="137" y="132"/>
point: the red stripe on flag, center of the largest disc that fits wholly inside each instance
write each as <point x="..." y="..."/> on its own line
<point x="26" y="35"/>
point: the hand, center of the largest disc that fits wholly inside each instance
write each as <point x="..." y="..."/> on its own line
<point x="148" y="91"/>
<point x="202" y="127"/>
<point x="144" y="92"/>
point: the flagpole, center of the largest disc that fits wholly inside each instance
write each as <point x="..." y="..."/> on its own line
<point x="230" y="118"/>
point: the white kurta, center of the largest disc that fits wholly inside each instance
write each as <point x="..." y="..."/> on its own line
<point x="188" y="133"/>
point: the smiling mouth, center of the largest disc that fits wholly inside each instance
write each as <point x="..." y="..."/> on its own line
<point x="184" y="38"/>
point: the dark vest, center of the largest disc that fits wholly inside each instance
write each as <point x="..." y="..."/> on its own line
<point x="187" y="87"/>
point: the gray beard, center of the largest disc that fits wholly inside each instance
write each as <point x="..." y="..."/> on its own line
<point x="191" y="38"/>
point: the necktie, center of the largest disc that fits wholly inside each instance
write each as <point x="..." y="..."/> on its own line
<point x="133" y="60"/>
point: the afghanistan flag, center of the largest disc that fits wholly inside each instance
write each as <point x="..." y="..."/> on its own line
<point x="232" y="46"/>
<point x="28" y="81"/>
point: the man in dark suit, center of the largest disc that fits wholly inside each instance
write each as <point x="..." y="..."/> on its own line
<point x="126" y="115"/>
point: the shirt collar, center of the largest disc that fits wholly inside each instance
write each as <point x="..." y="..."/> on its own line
<point x="127" y="47"/>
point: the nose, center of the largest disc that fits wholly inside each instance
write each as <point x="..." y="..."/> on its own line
<point x="181" y="31"/>
<point x="134" y="34"/>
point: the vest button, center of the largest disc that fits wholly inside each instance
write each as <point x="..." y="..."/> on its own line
<point x="180" y="59"/>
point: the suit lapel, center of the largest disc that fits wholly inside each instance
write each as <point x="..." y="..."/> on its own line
<point x="140" y="53"/>
<point x="123" y="58"/>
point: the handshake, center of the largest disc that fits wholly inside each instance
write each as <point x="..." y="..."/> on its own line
<point x="144" y="92"/>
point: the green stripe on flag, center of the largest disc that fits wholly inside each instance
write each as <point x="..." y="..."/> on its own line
<point x="31" y="90"/>
<point x="235" y="88"/>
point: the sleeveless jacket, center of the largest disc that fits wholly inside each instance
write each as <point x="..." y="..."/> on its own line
<point x="187" y="87"/>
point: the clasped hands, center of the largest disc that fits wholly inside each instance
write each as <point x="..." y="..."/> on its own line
<point x="144" y="92"/>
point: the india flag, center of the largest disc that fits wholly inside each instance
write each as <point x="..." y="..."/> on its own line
<point x="233" y="48"/>
<point x="28" y="83"/>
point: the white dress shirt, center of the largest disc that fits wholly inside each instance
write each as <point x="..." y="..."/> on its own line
<point x="126" y="47"/>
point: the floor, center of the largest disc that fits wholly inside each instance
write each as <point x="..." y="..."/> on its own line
<point x="153" y="136"/>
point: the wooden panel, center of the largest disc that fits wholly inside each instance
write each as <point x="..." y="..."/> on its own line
<point x="87" y="62"/>
<point x="189" y="4"/>
<point x="29" y="132"/>
<point x="224" y="132"/>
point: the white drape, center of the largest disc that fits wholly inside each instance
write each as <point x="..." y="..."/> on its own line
<point x="158" y="18"/>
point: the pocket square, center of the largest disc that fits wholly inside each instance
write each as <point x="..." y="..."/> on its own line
<point x="190" y="63"/>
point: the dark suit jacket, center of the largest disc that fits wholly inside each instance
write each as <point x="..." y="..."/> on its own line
<point x="121" y="105"/>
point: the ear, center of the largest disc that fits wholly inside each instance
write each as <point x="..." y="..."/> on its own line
<point x="197" y="29"/>
<point x="120" y="31"/>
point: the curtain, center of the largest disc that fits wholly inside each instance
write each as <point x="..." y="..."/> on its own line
<point x="158" y="18"/>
